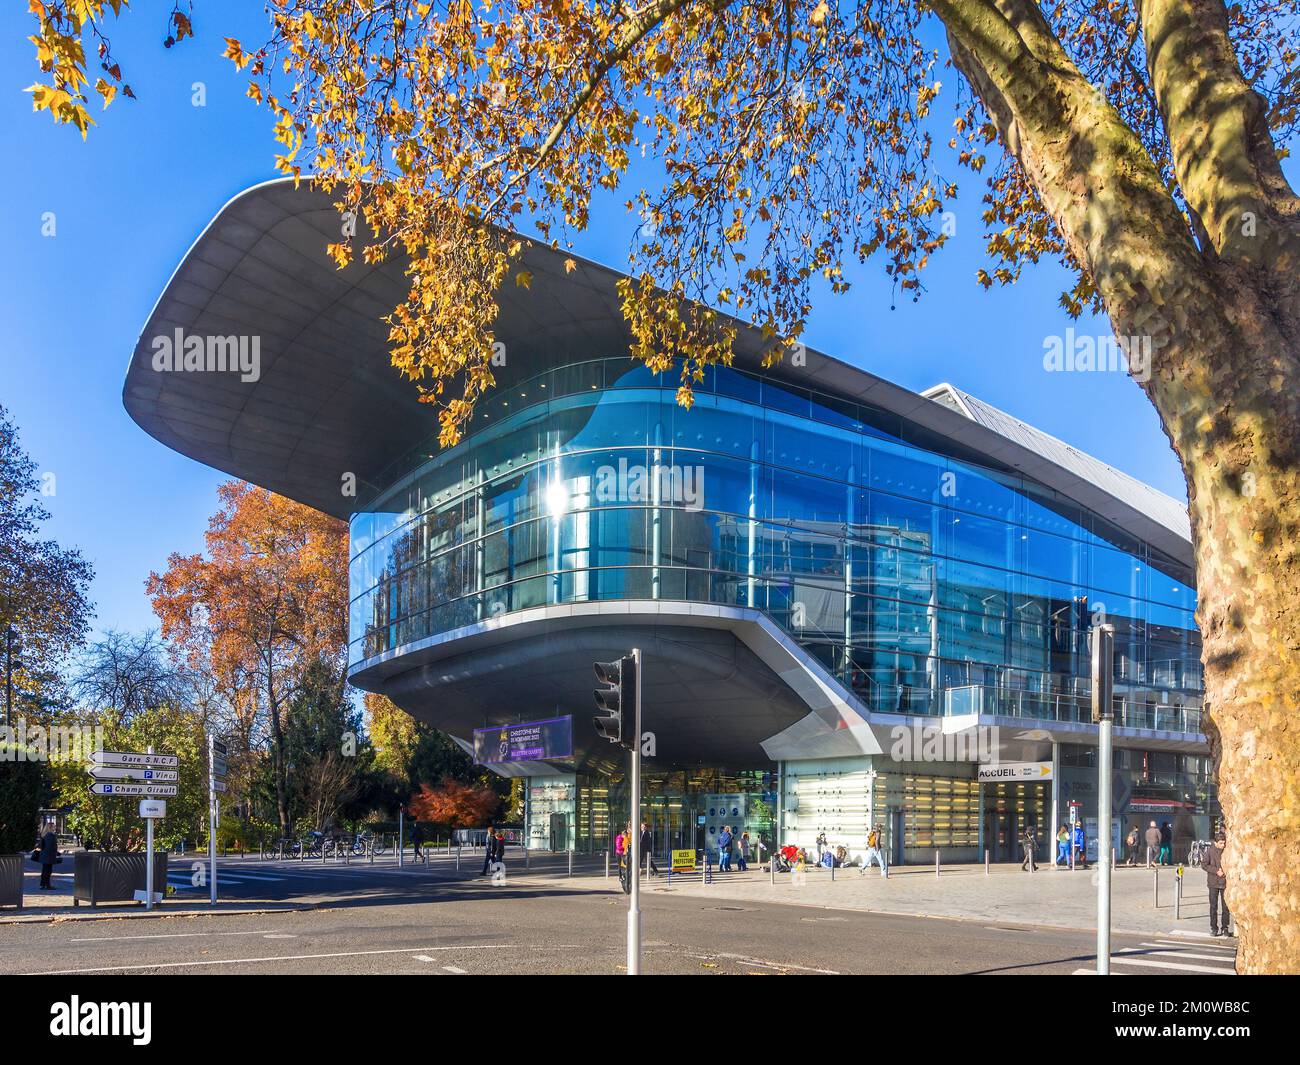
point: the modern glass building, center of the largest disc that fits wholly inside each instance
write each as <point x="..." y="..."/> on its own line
<point x="853" y="601"/>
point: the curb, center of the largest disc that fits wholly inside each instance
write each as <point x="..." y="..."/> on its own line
<point x="137" y="915"/>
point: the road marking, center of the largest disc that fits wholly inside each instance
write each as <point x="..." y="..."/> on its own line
<point x="168" y="935"/>
<point x="1182" y="953"/>
<point x="455" y="969"/>
<point x="283" y="957"/>
<point x="281" y="935"/>
<point x="1127" y="960"/>
<point x="423" y="957"/>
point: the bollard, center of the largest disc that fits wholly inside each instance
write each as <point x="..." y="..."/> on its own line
<point x="704" y="869"/>
<point x="986" y="861"/>
<point x="936" y="863"/>
<point x="832" y="868"/>
<point x="570" y="863"/>
<point x="526" y="855"/>
<point x="1156" y="886"/>
<point x="606" y="863"/>
<point x="771" y="865"/>
<point x="458" y="857"/>
<point x="371" y="848"/>
<point x="1178" y="893"/>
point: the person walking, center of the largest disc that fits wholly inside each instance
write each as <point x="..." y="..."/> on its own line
<point x="1132" y="844"/>
<point x="1217" y="882"/>
<point x="417" y="837"/>
<point x="1029" y="844"/>
<point x="489" y="849"/>
<point x="875" y="851"/>
<point x="49" y="847"/>
<point x="1062" y="846"/>
<point x="1080" y="847"/>
<point x="1152" y="840"/>
<point x="647" y="849"/>
<point x="724" y="849"/>
<point x="1166" y="844"/>
<point x="742" y="852"/>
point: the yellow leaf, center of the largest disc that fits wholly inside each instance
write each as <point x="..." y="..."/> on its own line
<point x="524" y="279"/>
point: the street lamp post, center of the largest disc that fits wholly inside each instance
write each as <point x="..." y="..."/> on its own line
<point x="1103" y="657"/>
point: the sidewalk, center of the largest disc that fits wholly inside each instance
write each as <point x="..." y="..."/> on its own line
<point x="56" y="905"/>
<point x="1060" y="898"/>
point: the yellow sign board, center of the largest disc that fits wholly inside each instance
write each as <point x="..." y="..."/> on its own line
<point x="683" y="861"/>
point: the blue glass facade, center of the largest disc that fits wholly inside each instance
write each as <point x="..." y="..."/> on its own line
<point x="924" y="581"/>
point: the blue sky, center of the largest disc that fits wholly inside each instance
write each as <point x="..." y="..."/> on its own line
<point x="129" y="201"/>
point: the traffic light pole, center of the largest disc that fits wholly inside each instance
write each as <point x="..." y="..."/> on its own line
<point x="634" y="855"/>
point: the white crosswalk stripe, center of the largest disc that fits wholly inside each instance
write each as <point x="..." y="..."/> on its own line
<point x="1185" y="955"/>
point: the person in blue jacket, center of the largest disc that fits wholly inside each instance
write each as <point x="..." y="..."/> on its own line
<point x="1080" y="847"/>
<point x="724" y="850"/>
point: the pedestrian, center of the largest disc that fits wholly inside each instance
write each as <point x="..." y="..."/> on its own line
<point x="49" y="847"/>
<point x="821" y="845"/>
<point x="1062" y="846"/>
<point x="1166" y="844"/>
<point x="1132" y="843"/>
<point x="742" y="852"/>
<point x="499" y="852"/>
<point x="1152" y="840"/>
<point x="724" y="850"/>
<point x="1029" y="843"/>
<point x="875" y="852"/>
<point x="1216" y="881"/>
<point x="620" y="854"/>
<point x="647" y="848"/>
<point x="1080" y="846"/>
<point x="489" y="849"/>
<point x="416" y="838"/>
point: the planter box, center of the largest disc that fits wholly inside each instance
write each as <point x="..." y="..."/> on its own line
<point x="11" y="879"/>
<point x="100" y="876"/>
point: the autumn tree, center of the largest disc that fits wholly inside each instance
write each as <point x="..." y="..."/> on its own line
<point x="455" y="805"/>
<point x="1139" y="141"/>
<point x="43" y="587"/>
<point x="266" y="603"/>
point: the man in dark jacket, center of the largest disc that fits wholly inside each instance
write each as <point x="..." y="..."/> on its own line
<point x="489" y="850"/>
<point x="1029" y="844"/>
<point x="49" y="855"/>
<point x="1216" y="881"/>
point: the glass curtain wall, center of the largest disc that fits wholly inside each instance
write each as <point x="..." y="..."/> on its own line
<point x="924" y="582"/>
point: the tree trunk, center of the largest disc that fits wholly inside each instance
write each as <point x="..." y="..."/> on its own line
<point x="277" y="763"/>
<point x="1243" y="460"/>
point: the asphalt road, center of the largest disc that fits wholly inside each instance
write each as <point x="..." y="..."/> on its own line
<point x="382" y="920"/>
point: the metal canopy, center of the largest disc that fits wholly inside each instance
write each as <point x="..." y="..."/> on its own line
<point x="329" y="404"/>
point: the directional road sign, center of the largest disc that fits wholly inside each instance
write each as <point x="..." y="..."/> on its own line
<point x="147" y="790"/>
<point x="132" y="772"/>
<point x="165" y="761"/>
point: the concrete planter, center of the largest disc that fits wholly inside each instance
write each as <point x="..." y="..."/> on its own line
<point x="100" y="876"/>
<point x="11" y="879"/>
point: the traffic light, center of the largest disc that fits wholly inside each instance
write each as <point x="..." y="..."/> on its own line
<point x="615" y="700"/>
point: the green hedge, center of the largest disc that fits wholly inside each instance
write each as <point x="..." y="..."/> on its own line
<point x="24" y="790"/>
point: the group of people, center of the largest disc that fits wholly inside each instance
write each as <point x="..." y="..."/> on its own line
<point x="728" y="842"/>
<point x="494" y="849"/>
<point x="623" y="848"/>
<point x="1071" y="847"/>
<point x="1159" y="843"/>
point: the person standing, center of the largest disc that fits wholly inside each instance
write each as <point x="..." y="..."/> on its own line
<point x="742" y="852"/>
<point x="1217" y="882"/>
<point x="1152" y="840"/>
<point x="724" y="850"/>
<point x="49" y="855"/>
<point x="1132" y="844"/>
<point x="647" y="848"/>
<point x="1080" y="846"/>
<point x="1166" y="844"/>
<point x="1029" y="843"/>
<point x="489" y="849"/>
